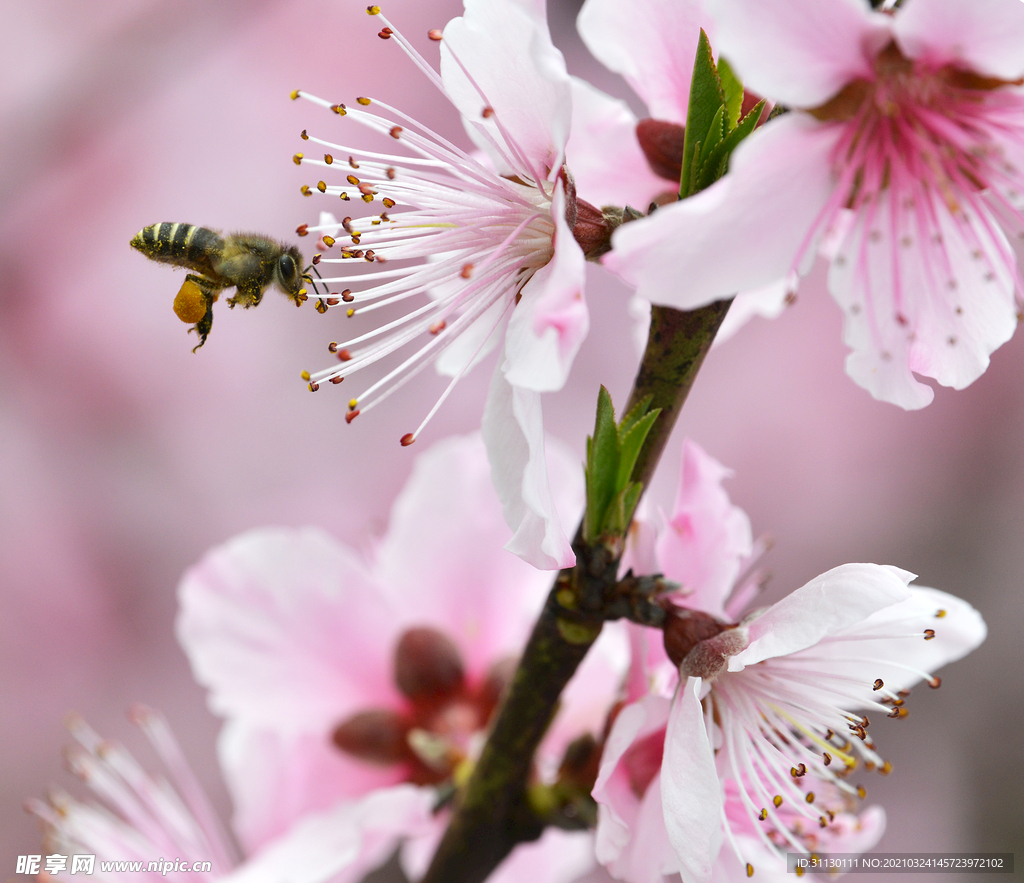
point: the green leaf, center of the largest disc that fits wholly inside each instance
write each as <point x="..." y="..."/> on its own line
<point x="715" y="135"/>
<point x="717" y="162"/>
<point x="635" y="413"/>
<point x="612" y="453"/>
<point x="732" y="88"/>
<point x="602" y="466"/>
<point x="631" y="498"/>
<point x="631" y="441"/>
<point x="706" y="97"/>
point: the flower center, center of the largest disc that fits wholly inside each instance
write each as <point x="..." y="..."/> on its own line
<point x="924" y="176"/>
<point x="437" y="726"/>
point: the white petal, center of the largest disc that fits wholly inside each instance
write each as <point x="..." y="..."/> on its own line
<point x="768" y="302"/>
<point x="514" y="435"/>
<point x="473" y="344"/>
<point x="517" y="72"/>
<point x="744" y="231"/>
<point x="691" y="791"/>
<point x="652" y="43"/>
<point x="896" y="633"/>
<point x="343" y="844"/>
<point x="986" y="36"/>
<point x="549" y="323"/>
<point x="922" y="292"/>
<point x="285" y="627"/>
<point x="798" y="52"/>
<point x="839" y="598"/>
<point x="617" y="172"/>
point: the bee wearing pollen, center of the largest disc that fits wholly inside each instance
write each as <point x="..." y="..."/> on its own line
<point x="249" y="262"/>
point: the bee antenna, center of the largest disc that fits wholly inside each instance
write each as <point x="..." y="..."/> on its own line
<point x="309" y="279"/>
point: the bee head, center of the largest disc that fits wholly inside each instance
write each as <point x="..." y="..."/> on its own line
<point x="288" y="272"/>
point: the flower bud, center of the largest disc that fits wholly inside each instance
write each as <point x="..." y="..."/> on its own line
<point x="662" y="144"/>
<point x="428" y="666"/>
<point x="376" y="736"/>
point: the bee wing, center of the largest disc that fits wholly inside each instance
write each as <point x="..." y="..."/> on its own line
<point x="239" y="262"/>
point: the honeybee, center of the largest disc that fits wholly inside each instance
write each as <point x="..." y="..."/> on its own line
<point x="249" y="262"/>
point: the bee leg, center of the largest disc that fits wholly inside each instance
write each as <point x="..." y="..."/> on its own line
<point x="249" y="295"/>
<point x="194" y="305"/>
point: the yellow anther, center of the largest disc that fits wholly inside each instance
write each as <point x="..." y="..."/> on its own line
<point x="297" y="159"/>
<point x="363" y="101"/>
<point x="373" y="10"/>
<point x="295" y="94"/>
<point x="305" y="375"/>
<point x="321" y="186"/>
<point x="350" y="312"/>
<point x="353" y="404"/>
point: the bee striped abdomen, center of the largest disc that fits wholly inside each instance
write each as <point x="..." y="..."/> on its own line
<point x="183" y="244"/>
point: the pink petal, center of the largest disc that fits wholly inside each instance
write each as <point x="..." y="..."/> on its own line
<point x="592" y="690"/>
<point x="798" y="52"/>
<point x="652" y="43"/>
<point x="744" y="231"/>
<point x="442" y="555"/>
<point x="514" y="435"/>
<point x="691" y="791"/>
<point x="557" y="857"/>
<point x="550" y="321"/>
<point x="345" y="843"/>
<point x="618" y="172"/>
<point x="286" y="629"/>
<point x="517" y="72"/>
<point x="922" y="292"/>
<point x="837" y="599"/>
<point x="274" y="779"/>
<point x="707" y="537"/>
<point x="986" y="36"/>
<point x="618" y="807"/>
<point x="649" y="855"/>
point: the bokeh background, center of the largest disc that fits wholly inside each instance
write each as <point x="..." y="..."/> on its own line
<point x="124" y="456"/>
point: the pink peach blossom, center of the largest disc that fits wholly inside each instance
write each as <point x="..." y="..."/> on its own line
<point x="340" y="675"/>
<point x="902" y="154"/>
<point x="734" y="745"/>
<point x="143" y="818"/>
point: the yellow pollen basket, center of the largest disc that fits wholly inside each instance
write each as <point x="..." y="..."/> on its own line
<point x="190" y="303"/>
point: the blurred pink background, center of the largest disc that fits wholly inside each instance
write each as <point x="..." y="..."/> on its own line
<point x="126" y="456"/>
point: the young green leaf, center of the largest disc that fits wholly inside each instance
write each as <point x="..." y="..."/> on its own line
<point x="602" y="465"/>
<point x="706" y="97"/>
<point x="732" y="88"/>
<point x="717" y="162"/>
<point x="612" y="453"/>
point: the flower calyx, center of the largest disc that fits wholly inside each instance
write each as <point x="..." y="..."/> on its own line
<point x="699" y="644"/>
